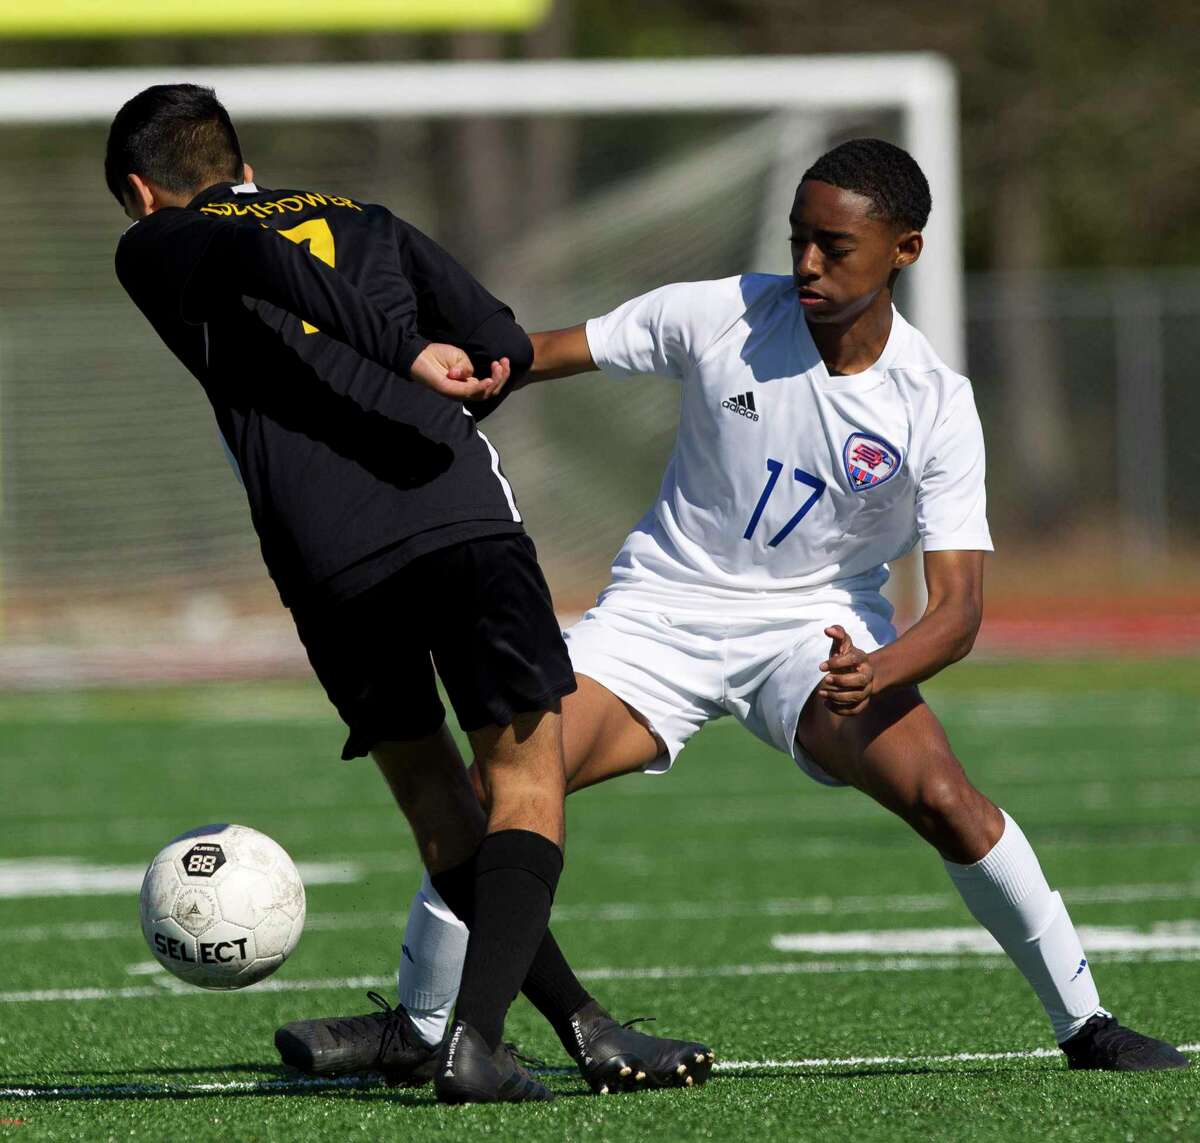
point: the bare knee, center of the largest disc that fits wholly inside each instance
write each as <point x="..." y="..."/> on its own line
<point x="953" y="816"/>
<point x="898" y="753"/>
<point x="941" y="803"/>
<point x="521" y="774"/>
<point x="421" y="768"/>
<point x="410" y="784"/>
<point x="429" y="782"/>
<point x="477" y="785"/>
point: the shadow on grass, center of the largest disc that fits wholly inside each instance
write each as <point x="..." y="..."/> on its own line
<point x="275" y="1071"/>
<point x="286" y="1083"/>
<point x="127" y="1093"/>
<point x="957" y="1074"/>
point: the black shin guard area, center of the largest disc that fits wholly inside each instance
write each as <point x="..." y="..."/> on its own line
<point x="551" y="986"/>
<point x="516" y="873"/>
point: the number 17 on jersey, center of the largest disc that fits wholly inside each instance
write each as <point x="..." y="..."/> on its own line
<point x="774" y="468"/>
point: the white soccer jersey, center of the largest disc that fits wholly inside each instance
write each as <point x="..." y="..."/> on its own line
<point x="785" y="478"/>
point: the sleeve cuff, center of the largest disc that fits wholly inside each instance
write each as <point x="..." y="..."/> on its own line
<point x="591" y="331"/>
<point x="958" y="542"/>
<point x="409" y="352"/>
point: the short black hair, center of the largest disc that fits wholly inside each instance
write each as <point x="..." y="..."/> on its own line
<point x="886" y="174"/>
<point x="176" y="135"/>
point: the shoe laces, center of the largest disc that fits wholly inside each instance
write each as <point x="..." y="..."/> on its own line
<point x="638" y="1020"/>
<point x="395" y="1023"/>
<point x="1110" y="1038"/>
<point x="528" y="1061"/>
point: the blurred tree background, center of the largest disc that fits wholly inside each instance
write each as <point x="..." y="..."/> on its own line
<point x="1080" y="154"/>
<point x="1081" y="118"/>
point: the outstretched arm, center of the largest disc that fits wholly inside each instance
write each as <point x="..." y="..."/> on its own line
<point x="560" y="353"/>
<point x="556" y="353"/>
<point x="943" y="635"/>
<point x="649" y="334"/>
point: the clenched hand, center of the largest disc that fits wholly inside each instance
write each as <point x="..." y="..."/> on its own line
<point x="849" y="682"/>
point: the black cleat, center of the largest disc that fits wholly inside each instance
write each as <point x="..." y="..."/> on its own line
<point x="1103" y="1044"/>
<point x="614" y="1058"/>
<point x="383" y="1041"/>
<point x="468" y="1071"/>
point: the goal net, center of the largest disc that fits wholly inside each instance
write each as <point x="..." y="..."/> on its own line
<point x="126" y="549"/>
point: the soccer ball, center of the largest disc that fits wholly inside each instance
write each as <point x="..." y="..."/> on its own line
<point x="222" y="906"/>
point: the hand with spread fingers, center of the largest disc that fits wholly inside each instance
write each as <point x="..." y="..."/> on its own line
<point x="448" y="370"/>
<point x="849" y="681"/>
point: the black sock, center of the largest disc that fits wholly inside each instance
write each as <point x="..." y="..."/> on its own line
<point x="457" y="888"/>
<point x="552" y="988"/>
<point x="516" y="873"/>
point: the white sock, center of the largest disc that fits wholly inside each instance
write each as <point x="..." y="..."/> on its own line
<point x="1007" y="893"/>
<point x="431" y="961"/>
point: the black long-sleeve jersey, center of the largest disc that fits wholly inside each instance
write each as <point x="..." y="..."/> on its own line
<point x="300" y="314"/>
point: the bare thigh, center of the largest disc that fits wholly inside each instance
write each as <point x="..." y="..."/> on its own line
<point x="897" y="752"/>
<point x="603" y="737"/>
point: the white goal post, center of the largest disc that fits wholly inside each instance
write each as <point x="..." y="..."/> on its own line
<point x="919" y="88"/>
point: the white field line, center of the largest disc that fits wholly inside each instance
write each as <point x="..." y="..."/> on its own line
<point x="1174" y="935"/>
<point x="169" y="987"/>
<point x="850" y="905"/>
<point x="869" y="1061"/>
<point x="723" y="1067"/>
<point x="76" y="877"/>
<point x="621" y="911"/>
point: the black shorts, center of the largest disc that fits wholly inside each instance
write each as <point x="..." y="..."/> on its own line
<point x="478" y="611"/>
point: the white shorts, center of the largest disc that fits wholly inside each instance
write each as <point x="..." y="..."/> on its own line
<point x="680" y="668"/>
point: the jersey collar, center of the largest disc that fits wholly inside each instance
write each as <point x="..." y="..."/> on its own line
<point x="221" y="190"/>
<point x="873" y="374"/>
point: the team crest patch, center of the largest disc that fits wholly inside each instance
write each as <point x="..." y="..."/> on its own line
<point x="870" y="461"/>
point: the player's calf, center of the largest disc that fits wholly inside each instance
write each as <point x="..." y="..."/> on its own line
<point x="517" y="867"/>
<point x="1008" y="894"/>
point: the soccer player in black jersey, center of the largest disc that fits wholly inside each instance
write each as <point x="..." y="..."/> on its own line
<point x="336" y="344"/>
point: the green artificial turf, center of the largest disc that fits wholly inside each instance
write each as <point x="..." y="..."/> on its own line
<point x="687" y="876"/>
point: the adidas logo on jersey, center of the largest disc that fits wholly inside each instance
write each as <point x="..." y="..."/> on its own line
<point x="742" y="404"/>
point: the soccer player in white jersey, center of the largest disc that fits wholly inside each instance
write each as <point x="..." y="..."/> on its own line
<point x="820" y="438"/>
